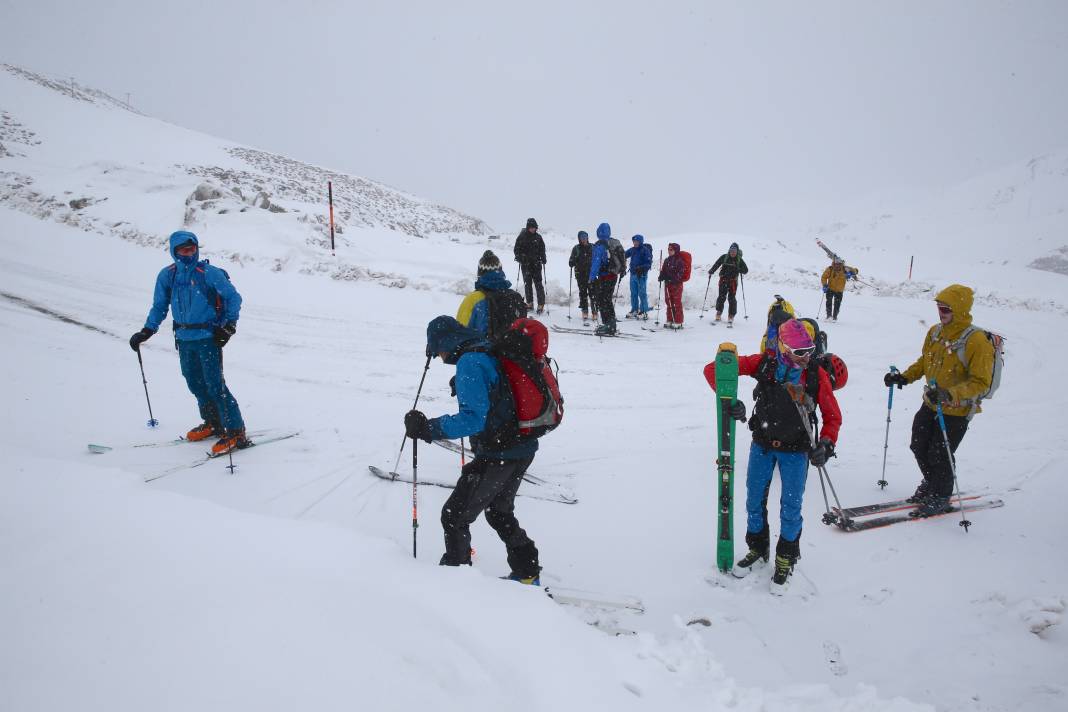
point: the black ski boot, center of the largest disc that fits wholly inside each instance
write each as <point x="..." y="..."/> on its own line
<point x="932" y="505"/>
<point x="920" y="494"/>
<point x="757" y="558"/>
<point x="786" y="555"/>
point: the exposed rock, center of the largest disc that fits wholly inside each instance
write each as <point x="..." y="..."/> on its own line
<point x="79" y="203"/>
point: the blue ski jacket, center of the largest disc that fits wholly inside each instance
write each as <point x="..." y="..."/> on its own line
<point x="600" y="251"/>
<point x="641" y="257"/>
<point x="484" y="397"/>
<point x="199" y="296"/>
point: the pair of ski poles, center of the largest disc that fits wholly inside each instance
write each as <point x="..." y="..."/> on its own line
<point x="704" y="304"/>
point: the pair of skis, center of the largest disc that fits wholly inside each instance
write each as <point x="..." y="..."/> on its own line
<point x="853" y="519"/>
<point x="590" y="332"/>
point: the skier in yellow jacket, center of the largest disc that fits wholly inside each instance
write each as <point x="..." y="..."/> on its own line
<point x="834" y="283"/>
<point x="957" y="374"/>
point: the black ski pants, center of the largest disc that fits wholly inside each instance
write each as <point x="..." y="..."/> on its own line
<point x="603" y="297"/>
<point x="582" y="279"/>
<point x="531" y="281"/>
<point x="727" y="290"/>
<point x="835" y="299"/>
<point x="930" y="449"/>
<point x="488" y="486"/>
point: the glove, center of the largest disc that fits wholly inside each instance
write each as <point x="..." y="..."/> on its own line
<point x="825" y="289"/>
<point x="223" y="333"/>
<point x="938" y="395"/>
<point x="641" y="271"/>
<point x="894" y="378"/>
<point x="851" y="275"/>
<point x="661" y="278"/>
<point x="737" y="410"/>
<point x="417" y="426"/>
<point x="452" y="386"/>
<point x="139" y="338"/>
<point x="818" y="455"/>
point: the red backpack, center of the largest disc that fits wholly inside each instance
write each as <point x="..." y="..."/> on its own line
<point x="531" y="378"/>
<point x="687" y="260"/>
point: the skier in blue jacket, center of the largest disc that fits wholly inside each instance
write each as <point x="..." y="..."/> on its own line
<point x="641" y="259"/>
<point x="606" y="267"/>
<point x="487" y="415"/>
<point x="205" y="307"/>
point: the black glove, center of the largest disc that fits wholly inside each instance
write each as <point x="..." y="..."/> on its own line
<point x="416" y="426"/>
<point x="894" y="378"/>
<point x="139" y="338"/>
<point x="818" y="455"/>
<point x="452" y="386"/>
<point x="223" y="333"/>
<point x="661" y="278"/>
<point x="737" y="410"/>
<point x="938" y="395"/>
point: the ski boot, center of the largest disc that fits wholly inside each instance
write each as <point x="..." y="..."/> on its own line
<point x="585" y="316"/>
<point x="719" y="316"/>
<point x="786" y="555"/>
<point x="920" y="494"/>
<point x="631" y="315"/>
<point x="202" y="432"/>
<point x="605" y="330"/>
<point x="534" y="580"/>
<point x="756" y="559"/>
<point x="232" y="440"/>
<point x="644" y="316"/>
<point x="541" y="309"/>
<point x="934" y="504"/>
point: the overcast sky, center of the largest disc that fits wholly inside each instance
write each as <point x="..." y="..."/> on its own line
<point x="656" y="116"/>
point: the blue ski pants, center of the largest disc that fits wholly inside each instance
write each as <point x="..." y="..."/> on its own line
<point x="202" y="366"/>
<point x="639" y="299"/>
<point x="793" y="471"/>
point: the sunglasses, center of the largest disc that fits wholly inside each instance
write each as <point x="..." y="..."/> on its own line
<point x="185" y="249"/>
<point x="803" y="352"/>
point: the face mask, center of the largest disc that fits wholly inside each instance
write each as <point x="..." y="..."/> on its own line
<point x="187" y="259"/>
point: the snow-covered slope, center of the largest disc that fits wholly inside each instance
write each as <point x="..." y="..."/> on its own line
<point x="290" y="583"/>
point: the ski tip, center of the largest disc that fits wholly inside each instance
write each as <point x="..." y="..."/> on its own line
<point x="98" y="449"/>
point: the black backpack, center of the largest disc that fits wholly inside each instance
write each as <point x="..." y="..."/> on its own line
<point x="505" y="306"/>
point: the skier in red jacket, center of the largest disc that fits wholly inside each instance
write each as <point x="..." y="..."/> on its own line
<point x="789" y="387"/>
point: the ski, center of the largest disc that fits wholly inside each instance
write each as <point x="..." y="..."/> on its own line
<point x="879" y="522"/>
<point x="180" y="440"/>
<point x="208" y="457"/>
<point x="830" y="253"/>
<point x="396" y="477"/>
<point x="593" y="599"/>
<point x="586" y="332"/>
<point x="726" y="392"/>
<point x="880" y="507"/>
<point x="453" y="446"/>
<point x="259" y="441"/>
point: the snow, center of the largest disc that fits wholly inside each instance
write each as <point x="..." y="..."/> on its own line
<point x="290" y="583"/>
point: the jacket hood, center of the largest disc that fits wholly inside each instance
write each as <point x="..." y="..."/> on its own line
<point x="180" y="238"/>
<point x="445" y="334"/>
<point x="674" y="246"/>
<point x="640" y="239"/>
<point x="583" y="235"/>
<point x="604" y="231"/>
<point x="494" y="281"/>
<point x="958" y="298"/>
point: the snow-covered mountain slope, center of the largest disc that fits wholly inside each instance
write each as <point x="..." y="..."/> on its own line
<point x="290" y="582"/>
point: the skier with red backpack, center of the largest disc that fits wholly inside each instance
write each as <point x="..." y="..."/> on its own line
<point x="673" y="273"/>
<point x="508" y="397"/>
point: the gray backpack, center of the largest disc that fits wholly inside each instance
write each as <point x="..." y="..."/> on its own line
<point x="617" y="257"/>
<point x="996" y="340"/>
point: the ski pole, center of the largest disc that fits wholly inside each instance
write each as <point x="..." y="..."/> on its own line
<point x="415" y="495"/>
<point x="704" y="304"/>
<point x="808" y="419"/>
<point x="952" y="463"/>
<point x="886" y="443"/>
<point x="659" y="289"/>
<point x="745" y="309"/>
<point x="414" y="405"/>
<point x="819" y="309"/>
<point x="570" y="280"/>
<point x="152" y="422"/>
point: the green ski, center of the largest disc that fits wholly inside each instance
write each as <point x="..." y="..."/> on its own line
<point x="726" y="392"/>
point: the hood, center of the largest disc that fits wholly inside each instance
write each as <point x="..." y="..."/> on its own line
<point x="494" y="281"/>
<point x="958" y="298"/>
<point x="674" y="246"/>
<point x="180" y="237"/>
<point x="583" y="235"/>
<point x="640" y="239"/>
<point x="604" y="231"/>
<point x="445" y="334"/>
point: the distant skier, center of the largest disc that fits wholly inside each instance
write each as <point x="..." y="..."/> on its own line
<point x="673" y="274"/>
<point x="609" y="262"/>
<point x="730" y="266"/>
<point x="530" y="254"/>
<point x="490" y="481"/>
<point x="205" y="307"/>
<point x="834" y="283"/>
<point x="494" y="305"/>
<point x="641" y="259"/>
<point x="581" y="257"/>
<point x="957" y="385"/>
<point x="786" y="380"/>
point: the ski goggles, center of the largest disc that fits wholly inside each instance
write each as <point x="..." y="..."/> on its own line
<point x="803" y="352"/>
<point x="944" y="309"/>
